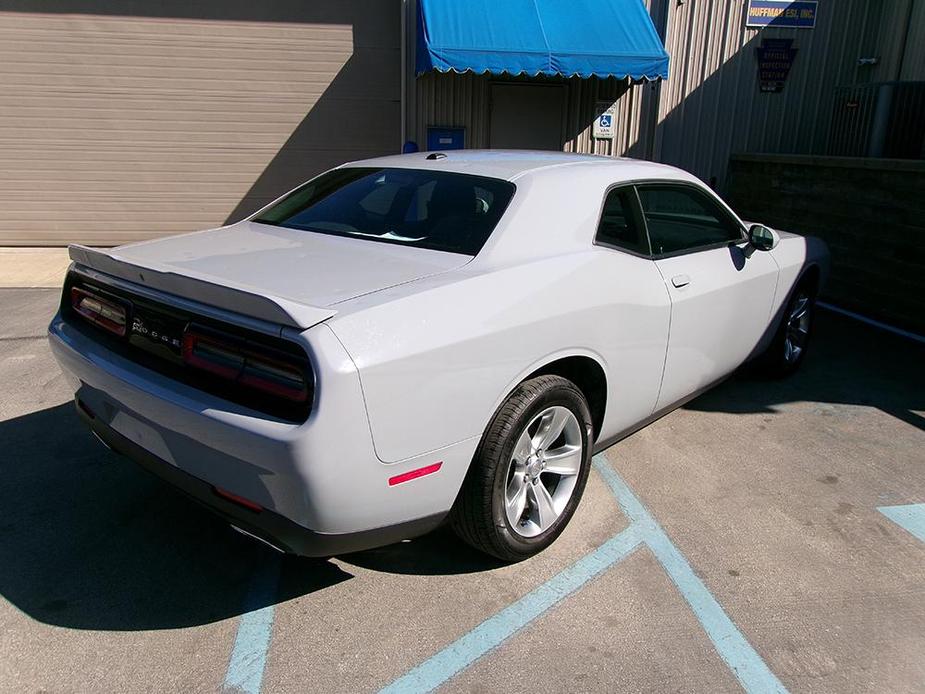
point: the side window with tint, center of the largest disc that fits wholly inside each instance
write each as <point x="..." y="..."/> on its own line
<point x="680" y="218"/>
<point x="618" y="227"/>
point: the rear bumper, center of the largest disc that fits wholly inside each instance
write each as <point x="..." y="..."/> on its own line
<point x="274" y="529"/>
<point x="321" y="476"/>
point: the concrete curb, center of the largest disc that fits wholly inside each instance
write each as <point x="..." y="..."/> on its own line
<point x="33" y="267"/>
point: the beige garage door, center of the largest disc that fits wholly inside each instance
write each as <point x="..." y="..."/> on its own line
<point x="118" y="127"/>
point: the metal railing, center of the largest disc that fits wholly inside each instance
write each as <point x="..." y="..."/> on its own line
<point x="882" y="119"/>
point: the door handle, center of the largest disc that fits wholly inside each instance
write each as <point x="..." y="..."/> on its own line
<point x="680" y="281"/>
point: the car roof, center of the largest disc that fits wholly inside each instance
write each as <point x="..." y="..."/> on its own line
<point x="512" y="164"/>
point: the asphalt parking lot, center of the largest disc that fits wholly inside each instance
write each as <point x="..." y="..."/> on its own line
<point x="737" y="542"/>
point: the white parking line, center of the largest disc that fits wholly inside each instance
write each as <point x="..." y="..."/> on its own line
<point x="871" y="321"/>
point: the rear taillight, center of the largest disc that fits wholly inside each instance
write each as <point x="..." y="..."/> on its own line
<point x="107" y="314"/>
<point x="273" y="375"/>
<point x="239" y="500"/>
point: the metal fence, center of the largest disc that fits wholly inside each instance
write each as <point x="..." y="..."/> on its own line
<point x="885" y="119"/>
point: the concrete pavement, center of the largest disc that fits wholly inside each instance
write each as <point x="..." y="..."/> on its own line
<point x="33" y="267"/>
<point x="110" y="581"/>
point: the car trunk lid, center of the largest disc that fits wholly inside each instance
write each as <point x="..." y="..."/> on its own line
<point x="286" y="276"/>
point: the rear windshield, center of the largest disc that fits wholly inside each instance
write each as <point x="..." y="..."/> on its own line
<point x="425" y="209"/>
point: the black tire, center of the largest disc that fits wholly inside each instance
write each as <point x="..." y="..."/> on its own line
<point x="478" y="516"/>
<point x="778" y="360"/>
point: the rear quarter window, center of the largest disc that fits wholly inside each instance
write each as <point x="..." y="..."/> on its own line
<point x="618" y="226"/>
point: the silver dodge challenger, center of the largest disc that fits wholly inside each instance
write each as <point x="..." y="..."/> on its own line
<point x="419" y="338"/>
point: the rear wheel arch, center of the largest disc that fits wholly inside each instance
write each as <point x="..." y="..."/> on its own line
<point x="486" y="514"/>
<point x="590" y="378"/>
<point x="585" y="371"/>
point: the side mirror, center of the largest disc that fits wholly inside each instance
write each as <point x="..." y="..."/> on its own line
<point x="762" y="238"/>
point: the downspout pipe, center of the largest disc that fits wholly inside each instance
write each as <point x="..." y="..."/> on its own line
<point x="905" y="40"/>
<point x="404" y="75"/>
<point x="654" y="102"/>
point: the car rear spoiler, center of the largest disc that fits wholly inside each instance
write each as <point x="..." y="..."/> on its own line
<point x="235" y="298"/>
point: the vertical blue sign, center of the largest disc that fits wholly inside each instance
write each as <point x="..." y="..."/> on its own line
<point x="782" y="13"/>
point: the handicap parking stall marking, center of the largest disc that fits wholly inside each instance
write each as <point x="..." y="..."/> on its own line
<point x="496" y="629"/>
<point x="910" y="517"/>
<point x="746" y="665"/>
<point x="248" y="660"/>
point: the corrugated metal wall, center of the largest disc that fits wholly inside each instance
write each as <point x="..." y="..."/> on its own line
<point x="583" y="98"/>
<point x="711" y="105"/>
<point x="117" y="126"/>
<point x="454" y="101"/>
<point x="463" y="100"/>
<point x="126" y="121"/>
<point x="913" y="62"/>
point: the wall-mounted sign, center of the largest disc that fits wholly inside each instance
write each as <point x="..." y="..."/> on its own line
<point x="781" y="13"/>
<point x="604" y="127"/>
<point x="775" y="58"/>
<point x="445" y="138"/>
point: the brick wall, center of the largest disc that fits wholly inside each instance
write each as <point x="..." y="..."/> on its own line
<point x="871" y="212"/>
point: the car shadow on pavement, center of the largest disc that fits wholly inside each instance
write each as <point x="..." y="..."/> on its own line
<point x="439" y="553"/>
<point x="90" y="541"/>
<point x="847" y="363"/>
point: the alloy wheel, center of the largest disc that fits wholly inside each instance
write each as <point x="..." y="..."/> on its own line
<point x="797" y="328"/>
<point x="543" y="471"/>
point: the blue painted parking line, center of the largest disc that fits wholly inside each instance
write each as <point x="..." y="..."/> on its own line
<point x="747" y="666"/>
<point x="495" y="630"/>
<point x="910" y="517"/>
<point x="255" y="628"/>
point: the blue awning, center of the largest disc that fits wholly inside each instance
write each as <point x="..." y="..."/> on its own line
<point x="606" y="38"/>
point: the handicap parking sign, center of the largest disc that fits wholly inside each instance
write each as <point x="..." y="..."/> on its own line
<point x="603" y="125"/>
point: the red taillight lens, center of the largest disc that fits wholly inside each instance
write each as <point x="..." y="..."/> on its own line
<point x="239" y="500"/>
<point x="212" y="356"/>
<point x="274" y="377"/>
<point x="242" y="365"/>
<point x="102" y="312"/>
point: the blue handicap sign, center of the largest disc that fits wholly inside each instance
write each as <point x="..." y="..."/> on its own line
<point x="606" y="119"/>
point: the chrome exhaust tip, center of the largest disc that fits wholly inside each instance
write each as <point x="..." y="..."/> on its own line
<point x="259" y="539"/>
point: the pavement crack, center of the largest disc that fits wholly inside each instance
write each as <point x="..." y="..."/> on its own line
<point x="23" y="338"/>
